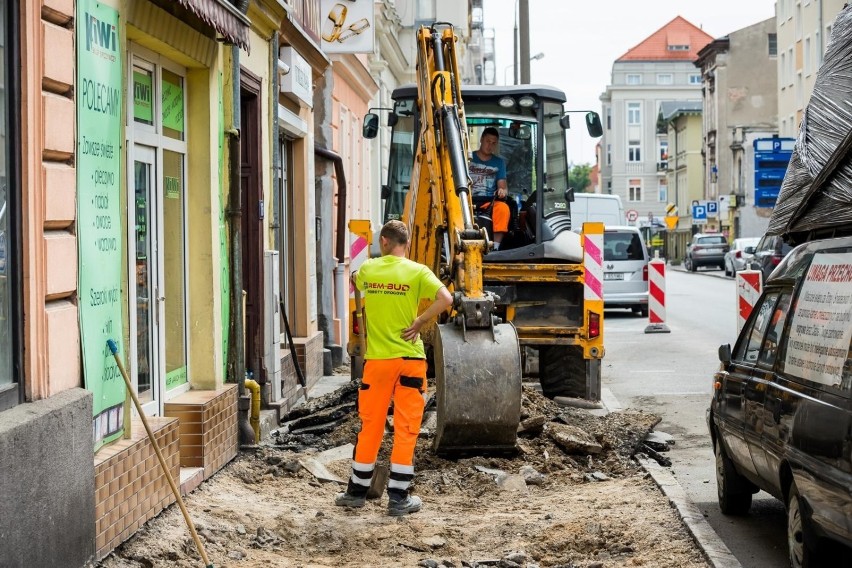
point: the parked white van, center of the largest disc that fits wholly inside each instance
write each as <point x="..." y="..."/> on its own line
<point x="596" y="207"/>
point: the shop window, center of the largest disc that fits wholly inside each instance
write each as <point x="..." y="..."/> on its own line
<point x="10" y="297"/>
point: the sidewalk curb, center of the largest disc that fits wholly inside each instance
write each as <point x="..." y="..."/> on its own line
<point x="708" y="541"/>
<point x="715" y="551"/>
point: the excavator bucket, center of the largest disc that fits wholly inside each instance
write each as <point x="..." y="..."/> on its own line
<point x="478" y="378"/>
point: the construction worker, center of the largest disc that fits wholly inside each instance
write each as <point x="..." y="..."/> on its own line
<point x="394" y="367"/>
<point x="488" y="183"/>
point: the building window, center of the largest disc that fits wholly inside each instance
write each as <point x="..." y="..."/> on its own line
<point x="634" y="113"/>
<point x="800" y="91"/>
<point x="609" y="118"/>
<point x="665" y="79"/>
<point x="663" y="162"/>
<point x="633" y="79"/>
<point x="679" y="47"/>
<point x="10" y="300"/>
<point x="663" y="191"/>
<point x="609" y="154"/>
<point x="634" y="190"/>
<point x="425" y="13"/>
<point x="634" y="151"/>
<point x="798" y="22"/>
<point x="790" y="62"/>
<point x="782" y="71"/>
<point x="773" y="44"/>
<point x="807" y="56"/>
<point x="695" y="78"/>
<point x="818" y="49"/>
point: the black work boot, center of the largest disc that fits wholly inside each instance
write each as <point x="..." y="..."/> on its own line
<point x="355" y="496"/>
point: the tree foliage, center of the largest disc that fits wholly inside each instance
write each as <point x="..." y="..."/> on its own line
<point x="579" y="177"/>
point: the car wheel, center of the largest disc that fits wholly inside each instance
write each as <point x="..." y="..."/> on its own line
<point x="725" y="266"/>
<point x="799" y="541"/>
<point x="734" y="491"/>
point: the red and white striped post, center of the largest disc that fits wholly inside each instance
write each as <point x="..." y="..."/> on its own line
<point x="657" y="297"/>
<point x="749" y="286"/>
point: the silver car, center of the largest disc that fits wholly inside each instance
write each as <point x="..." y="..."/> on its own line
<point x="741" y="253"/>
<point x="705" y="249"/>
<point x="625" y="270"/>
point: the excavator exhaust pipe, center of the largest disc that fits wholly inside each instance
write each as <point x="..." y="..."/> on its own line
<point x="478" y="389"/>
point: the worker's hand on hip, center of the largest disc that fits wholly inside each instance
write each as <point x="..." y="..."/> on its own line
<point x="411" y="332"/>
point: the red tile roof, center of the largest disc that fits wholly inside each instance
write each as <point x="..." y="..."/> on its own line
<point x="657" y="46"/>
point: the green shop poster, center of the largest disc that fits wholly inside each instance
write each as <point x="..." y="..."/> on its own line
<point x="99" y="234"/>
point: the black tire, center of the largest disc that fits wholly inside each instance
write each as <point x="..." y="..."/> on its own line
<point x="641" y="311"/>
<point x="733" y="490"/>
<point x="725" y="267"/>
<point x="692" y="266"/>
<point x="801" y="544"/>
<point x="562" y="371"/>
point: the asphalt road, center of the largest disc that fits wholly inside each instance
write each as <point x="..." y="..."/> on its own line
<point x="671" y="375"/>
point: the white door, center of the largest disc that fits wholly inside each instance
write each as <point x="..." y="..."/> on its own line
<point x="145" y="338"/>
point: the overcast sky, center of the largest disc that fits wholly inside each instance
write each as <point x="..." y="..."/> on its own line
<point x="581" y="40"/>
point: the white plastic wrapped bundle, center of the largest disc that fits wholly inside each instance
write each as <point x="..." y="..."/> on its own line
<point x="804" y="206"/>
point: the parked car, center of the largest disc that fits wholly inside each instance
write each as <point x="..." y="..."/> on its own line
<point x="768" y="254"/>
<point x="780" y="417"/>
<point x="626" y="259"/>
<point x="740" y="255"/>
<point x="706" y="249"/>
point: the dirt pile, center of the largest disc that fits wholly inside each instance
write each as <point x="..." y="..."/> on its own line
<point x="589" y="506"/>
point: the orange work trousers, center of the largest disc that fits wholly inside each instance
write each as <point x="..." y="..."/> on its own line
<point x="500" y="214"/>
<point x="400" y="380"/>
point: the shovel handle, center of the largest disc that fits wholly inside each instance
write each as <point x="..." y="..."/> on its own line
<point x="114" y="350"/>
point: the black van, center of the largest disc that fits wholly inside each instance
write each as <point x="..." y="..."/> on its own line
<point x="781" y="414"/>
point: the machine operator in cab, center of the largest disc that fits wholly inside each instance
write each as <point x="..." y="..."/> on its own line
<point x="488" y="183"/>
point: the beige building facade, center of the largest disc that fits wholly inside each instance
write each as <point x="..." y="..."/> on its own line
<point x="684" y="169"/>
<point x="740" y="105"/>
<point x="804" y="29"/>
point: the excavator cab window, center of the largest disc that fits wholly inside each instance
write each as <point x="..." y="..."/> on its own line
<point x="555" y="163"/>
<point x="401" y="159"/>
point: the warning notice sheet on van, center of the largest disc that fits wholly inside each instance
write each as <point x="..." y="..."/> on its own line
<point x="822" y="321"/>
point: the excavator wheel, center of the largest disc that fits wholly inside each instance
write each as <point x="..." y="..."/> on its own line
<point x="562" y="371"/>
<point x="478" y="389"/>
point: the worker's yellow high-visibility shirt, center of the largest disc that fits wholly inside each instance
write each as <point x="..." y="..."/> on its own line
<point x="393" y="287"/>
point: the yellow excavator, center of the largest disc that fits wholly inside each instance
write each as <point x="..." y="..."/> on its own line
<point x="521" y="307"/>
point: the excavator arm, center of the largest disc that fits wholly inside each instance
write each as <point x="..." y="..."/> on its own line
<point x="476" y="357"/>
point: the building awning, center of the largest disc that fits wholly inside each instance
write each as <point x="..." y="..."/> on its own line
<point x="223" y="17"/>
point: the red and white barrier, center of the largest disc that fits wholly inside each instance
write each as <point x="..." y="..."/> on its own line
<point x="593" y="260"/>
<point x="657" y="297"/>
<point x="749" y="286"/>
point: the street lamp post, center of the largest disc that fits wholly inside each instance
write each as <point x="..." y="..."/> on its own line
<point x="535" y="57"/>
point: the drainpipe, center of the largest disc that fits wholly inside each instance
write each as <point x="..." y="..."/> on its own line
<point x="236" y="353"/>
<point x="341" y="290"/>
<point x="276" y="143"/>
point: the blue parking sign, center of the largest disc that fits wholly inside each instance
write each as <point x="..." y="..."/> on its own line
<point x="712" y="208"/>
<point x="699" y="214"/>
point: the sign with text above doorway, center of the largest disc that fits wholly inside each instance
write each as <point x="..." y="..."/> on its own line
<point x="632" y="215"/>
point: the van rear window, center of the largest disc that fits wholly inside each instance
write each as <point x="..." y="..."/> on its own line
<point x="715" y="240"/>
<point x="622" y="246"/>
